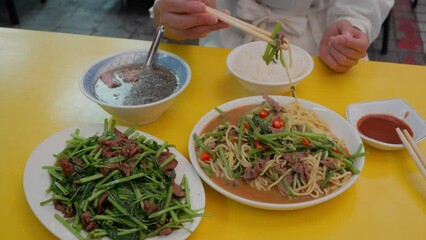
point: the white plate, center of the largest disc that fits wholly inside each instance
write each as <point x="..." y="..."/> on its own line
<point x="339" y="126"/>
<point x="37" y="180"/>
<point x="395" y="107"/>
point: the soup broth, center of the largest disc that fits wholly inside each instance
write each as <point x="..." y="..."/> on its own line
<point x="242" y="189"/>
<point x="135" y="85"/>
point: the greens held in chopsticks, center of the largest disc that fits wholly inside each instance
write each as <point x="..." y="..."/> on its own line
<point x="274" y="53"/>
<point x="274" y="50"/>
<point x="119" y="185"/>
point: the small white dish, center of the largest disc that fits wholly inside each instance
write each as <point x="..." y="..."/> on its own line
<point x="395" y="107"/>
<point x="246" y="64"/>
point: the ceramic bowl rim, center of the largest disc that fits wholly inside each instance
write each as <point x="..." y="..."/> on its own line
<point x="173" y="95"/>
<point x="271" y="84"/>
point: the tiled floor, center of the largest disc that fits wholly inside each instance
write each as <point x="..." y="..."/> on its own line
<point x="407" y="35"/>
<point x="130" y="19"/>
<point x="93" y="17"/>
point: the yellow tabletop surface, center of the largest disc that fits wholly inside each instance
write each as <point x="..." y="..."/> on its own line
<point x="39" y="96"/>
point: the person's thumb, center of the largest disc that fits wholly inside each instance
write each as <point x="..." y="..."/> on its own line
<point x="345" y="28"/>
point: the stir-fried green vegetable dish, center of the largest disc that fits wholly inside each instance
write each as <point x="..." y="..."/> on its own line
<point x="119" y="185"/>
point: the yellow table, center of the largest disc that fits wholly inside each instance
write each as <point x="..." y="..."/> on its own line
<point x="39" y="95"/>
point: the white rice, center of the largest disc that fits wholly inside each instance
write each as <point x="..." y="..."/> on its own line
<point x="250" y="64"/>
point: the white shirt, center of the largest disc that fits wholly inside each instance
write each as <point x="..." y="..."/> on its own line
<point x="303" y="21"/>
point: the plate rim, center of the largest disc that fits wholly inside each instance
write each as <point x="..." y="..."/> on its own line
<point x="274" y="206"/>
<point x="198" y="197"/>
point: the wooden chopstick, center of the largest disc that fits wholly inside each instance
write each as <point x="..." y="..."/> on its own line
<point x="415" y="147"/>
<point x="243" y="26"/>
<point x="414" y="151"/>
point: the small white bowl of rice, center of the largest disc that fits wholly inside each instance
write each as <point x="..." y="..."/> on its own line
<point x="245" y="62"/>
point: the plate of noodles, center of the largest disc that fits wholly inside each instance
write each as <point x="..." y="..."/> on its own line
<point x="276" y="152"/>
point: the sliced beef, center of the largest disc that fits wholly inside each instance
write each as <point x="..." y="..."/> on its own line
<point x="279" y="168"/>
<point x="177" y="190"/>
<point x="251" y="173"/>
<point x="294" y="156"/>
<point x="329" y="162"/>
<point x="103" y="204"/>
<point x="303" y="169"/>
<point x="211" y="145"/>
<point x="306" y="171"/>
<point x="149" y="207"/>
<point x="125" y="168"/>
<point x="132" y="75"/>
<point x="78" y="161"/>
<point x="63" y="208"/>
<point x="171" y="165"/>
<point x="109" y="80"/>
<point x="166" y="231"/>
<point x="274" y="104"/>
<point x="131" y="150"/>
<point x="120" y="133"/>
<point x="88" y="223"/>
<point x="67" y="168"/>
<point x="299" y="167"/>
<point x="129" y="147"/>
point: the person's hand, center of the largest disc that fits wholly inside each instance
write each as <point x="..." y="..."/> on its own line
<point x="186" y="19"/>
<point x="342" y="46"/>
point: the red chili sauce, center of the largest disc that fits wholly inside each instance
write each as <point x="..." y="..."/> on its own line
<point x="381" y="127"/>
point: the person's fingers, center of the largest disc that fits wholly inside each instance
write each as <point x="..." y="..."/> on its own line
<point x="330" y="61"/>
<point x="350" y="52"/>
<point x="342" y="46"/>
<point x="194" y="32"/>
<point x="187" y="7"/>
<point x="359" y="44"/>
<point x="186" y="21"/>
<point x="344" y="27"/>
<point x="341" y="59"/>
<point x="335" y="66"/>
<point x="354" y="38"/>
<point x="210" y="3"/>
<point x="345" y="47"/>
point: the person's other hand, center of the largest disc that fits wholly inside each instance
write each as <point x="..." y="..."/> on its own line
<point x="186" y="19"/>
<point x="342" y="46"/>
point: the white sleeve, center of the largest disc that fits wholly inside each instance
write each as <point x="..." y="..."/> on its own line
<point x="366" y="15"/>
<point x="151" y="10"/>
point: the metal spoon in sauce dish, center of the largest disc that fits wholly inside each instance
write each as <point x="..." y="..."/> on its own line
<point x="154" y="46"/>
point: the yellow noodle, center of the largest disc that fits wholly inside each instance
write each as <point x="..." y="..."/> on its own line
<point x="278" y="180"/>
<point x="299" y="119"/>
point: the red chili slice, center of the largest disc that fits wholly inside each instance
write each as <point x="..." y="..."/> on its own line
<point x="206" y="157"/>
<point x="305" y="142"/>
<point x="278" y="123"/>
<point x="263" y="113"/>
<point x="258" y="145"/>
<point x="335" y="150"/>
